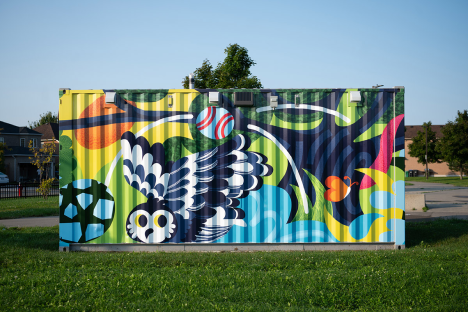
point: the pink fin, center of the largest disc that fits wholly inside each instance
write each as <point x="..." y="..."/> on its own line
<point x="383" y="160"/>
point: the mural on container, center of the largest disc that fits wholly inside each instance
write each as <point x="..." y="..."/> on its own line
<point x="141" y="170"/>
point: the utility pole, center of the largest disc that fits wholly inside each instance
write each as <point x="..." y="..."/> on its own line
<point x="427" y="171"/>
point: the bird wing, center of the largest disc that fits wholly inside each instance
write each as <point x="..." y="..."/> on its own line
<point x="203" y="188"/>
<point x="143" y="165"/>
<point x="209" y="184"/>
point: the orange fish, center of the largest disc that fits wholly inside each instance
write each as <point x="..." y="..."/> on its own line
<point x="338" y="189"/>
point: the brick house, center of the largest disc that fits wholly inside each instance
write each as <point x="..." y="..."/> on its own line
<point x="18" y="166"/>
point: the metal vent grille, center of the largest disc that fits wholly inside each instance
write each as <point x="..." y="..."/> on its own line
<point x="243" y="98"/>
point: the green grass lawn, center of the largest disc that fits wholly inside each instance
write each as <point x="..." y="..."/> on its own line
<point x="430" y="275"/>
<point x="29" y="207"/>
<point x="447" y="180"/>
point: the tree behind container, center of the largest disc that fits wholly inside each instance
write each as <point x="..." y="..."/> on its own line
<point x="44" y="119"/>
<point x="418" y="147"/>
<point x="453" y="146"/>
<point x="41" y="159"/>
<point x="233" y="72"/>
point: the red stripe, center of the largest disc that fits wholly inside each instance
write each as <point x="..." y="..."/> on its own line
<point x="209" y="121"/>
<point x="219" y="124"/>
<point x="206" y="118"/>
<point x="225" y="124"/>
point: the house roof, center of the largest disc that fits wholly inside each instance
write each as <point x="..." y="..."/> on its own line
<point x="50" y="131"/>
<point x="412" y="131"/>
<point x="12" y="129"/>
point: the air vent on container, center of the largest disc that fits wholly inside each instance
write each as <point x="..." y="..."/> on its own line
<point x="214" y="97"/>
<point x="110" y="97"/>
<point x="355" y="96"/>
<point x="243" y="99"/>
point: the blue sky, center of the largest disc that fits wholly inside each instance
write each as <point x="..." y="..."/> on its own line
<point x="47" y="45"/>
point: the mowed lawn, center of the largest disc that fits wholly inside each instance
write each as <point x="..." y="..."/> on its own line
<point x="455" y="181"/>
<point x="430" y="275"/>
<point x="29" y="207"/>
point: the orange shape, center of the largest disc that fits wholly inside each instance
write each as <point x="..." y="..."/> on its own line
<point x="101" y="136"/>
<point x="338" y="189"/>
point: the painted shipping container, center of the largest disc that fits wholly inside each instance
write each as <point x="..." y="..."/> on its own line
<point x="225" y="166"/>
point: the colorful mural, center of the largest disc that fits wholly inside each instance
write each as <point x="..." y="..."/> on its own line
<point x="168" y="166"/>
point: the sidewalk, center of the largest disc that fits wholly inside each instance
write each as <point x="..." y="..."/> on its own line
<point x="443" y="200"/>
<point x="30" y="222"/>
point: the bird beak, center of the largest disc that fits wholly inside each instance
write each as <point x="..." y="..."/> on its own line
<point x="148" y="232"/>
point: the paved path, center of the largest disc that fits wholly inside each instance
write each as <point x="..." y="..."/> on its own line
<point x="30" y="222"/>
<point x="443" y="201"/>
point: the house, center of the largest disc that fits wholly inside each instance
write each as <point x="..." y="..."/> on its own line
<point x="50" y="133"/>
<point x="18" y="166"/>
<point x="436" y="169"/>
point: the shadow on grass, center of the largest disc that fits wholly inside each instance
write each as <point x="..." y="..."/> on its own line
<point x="434" y="232"/>
<point x="43" y="238"/>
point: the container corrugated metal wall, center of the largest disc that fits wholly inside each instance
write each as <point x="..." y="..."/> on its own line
<point x="169" y="166"/>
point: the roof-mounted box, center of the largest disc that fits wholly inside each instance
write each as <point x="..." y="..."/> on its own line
<point x="214" y="97"/>
<point x="243" y="99"/>
<point x="110" y="97"/>
<point x="355" y="96"/>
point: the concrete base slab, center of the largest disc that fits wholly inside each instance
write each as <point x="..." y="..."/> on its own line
<point x="245" y="247"/>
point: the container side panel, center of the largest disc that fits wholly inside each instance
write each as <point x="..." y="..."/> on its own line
<point x="169" y="166"/>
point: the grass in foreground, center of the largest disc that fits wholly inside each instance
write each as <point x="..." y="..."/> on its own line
<point x="430" y="275"/>
<point x="446" y="180"/>
<point x="29" y="207"/>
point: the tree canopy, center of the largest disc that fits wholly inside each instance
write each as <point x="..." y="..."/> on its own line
<point x="42" y="157"/>
<point x="44" y="119"/>
<point x="453" y="146"/>
<point x="233" y="72"/>
<point x="418" y="147"/>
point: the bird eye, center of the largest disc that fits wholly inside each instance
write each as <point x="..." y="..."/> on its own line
<point x="141" y="220"/>
<point x="160" y="221"/>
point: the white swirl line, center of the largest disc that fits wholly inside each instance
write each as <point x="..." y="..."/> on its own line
<point x="291" y="162"/>
<point x="161" y="121"/>
<point x="306" y="106"/>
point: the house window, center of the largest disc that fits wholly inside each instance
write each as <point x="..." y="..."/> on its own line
<point x="2" y="140"/>
<point x="34" y="143"/>
<point x="22" y="140"/>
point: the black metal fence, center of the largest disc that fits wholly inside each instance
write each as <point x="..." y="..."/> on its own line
<point x="25" y="190"/>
